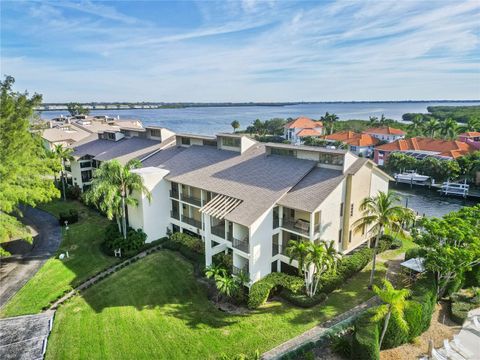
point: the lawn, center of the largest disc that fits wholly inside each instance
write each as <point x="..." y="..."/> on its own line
<point x="156" y="309"/>
<point x="57" y="276"/>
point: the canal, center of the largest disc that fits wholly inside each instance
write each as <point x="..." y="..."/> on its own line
<point x="428" y="201"/>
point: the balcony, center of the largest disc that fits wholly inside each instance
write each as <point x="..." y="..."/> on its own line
<point x="244" y="270"/>
<point x="191" y="221"/>
<point x="191" y="200"/>
<point x="174" y="214"/>
<point x="218" y="230"/>
<point x="299" y="226"/>
<point x="239" y="244"/>
<point x="174" y="194"/>
<point x="275" y="248"/>
<point x="276" y="223"/>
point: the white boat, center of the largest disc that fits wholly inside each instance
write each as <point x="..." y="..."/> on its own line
<point x="411" y="176"/>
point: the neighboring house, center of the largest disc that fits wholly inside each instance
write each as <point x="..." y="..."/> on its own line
<point x="111" y="144"/>
<point x="472" y="138"/>
<point x="386" y="133"/>
<point x="421" y="147"/>
<point x="359" y="144"/>
<point x="250" y="199"/>
<point x="302" y="127"/>
<point x="70" y="130"/>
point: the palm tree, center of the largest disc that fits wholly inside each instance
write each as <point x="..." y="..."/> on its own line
<point x="112" y="187"/>
<point x="379" y="212"/>
<point x="417" y="123"/>
<point x="394" y="304"/>
<point x="320" y="259"/>
<point x="373" y="120"/>
<point x="332" y="119"/>
<point x="212" y="271"/>
<point x="431" y="126"/>
<point x="449" y="129"/>
<point x="298" y="250"/>
<point x="473" y="124"/>
<point x="226" y="284"/>
<point x="235" y="125"/>
<point x="63" y="154"/>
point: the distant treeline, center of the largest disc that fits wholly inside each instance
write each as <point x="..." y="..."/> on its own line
<point x="458" y="113"/>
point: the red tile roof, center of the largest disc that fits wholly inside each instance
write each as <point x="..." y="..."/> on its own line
<point x="354" y="139"/>
<point x="303" y="123"/>
<point x="451" y="148"/>
<point x="387" y="130"/>
<point x="470" y="133"/>
<point x="308" y="132"/>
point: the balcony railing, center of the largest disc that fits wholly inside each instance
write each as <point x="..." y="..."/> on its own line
<point x="175" y="214"/>
<point x="192" y="200"/>
<point x="299" y="226"/>
<point x="240" y="244"/>
<point x="174" y="194"/>
<point x="244" y="270"/>
<point x="218" y="230"/>
<point x="276" y="223"/>
<point x="191" y="221"/>
<point x="275" y="250"/>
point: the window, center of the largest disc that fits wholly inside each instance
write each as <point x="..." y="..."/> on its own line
<point x="156" y="132"/>
<point x="340" y="236"/>
<point x="86" y="175"/>
<point x="185" y="141"/>
<point x="351" y="209"/>
<point x="333" y="159"/>
<point x="283" y="152"/>
<point x="86" y="164"/>
<point x="341" y="209"/>
<point x="232" y="142"/>
<point x="350" y="236"/>
<point x="210" y="142"/>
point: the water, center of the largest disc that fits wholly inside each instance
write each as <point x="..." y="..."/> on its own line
<point x="213" y="120"/>
<point x="428" y="201"/>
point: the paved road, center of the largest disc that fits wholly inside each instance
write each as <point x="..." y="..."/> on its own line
<point x="18" y="269"/>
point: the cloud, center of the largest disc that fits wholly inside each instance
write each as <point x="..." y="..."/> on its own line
<point x="252" y="51"/>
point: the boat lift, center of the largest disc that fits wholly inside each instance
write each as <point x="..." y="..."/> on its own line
<point x="453" y="188"/>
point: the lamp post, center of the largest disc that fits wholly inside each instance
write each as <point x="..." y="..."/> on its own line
<point x="66" y="235"/>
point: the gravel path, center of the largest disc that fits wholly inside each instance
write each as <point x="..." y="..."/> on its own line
<point x="16" y="270"/>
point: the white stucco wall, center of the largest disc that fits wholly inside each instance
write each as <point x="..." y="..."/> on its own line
<point x="379" y="182"/>
<point x="330" y="220"/>
<point x="152" y="217"/>
<point x="349" y="159"/>
<point x="261" y="246"/>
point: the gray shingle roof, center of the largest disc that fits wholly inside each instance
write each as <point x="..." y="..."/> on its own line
<point x="313" y="189"/>
<point x="259" y="180"/>
<point x="123" y="150"/>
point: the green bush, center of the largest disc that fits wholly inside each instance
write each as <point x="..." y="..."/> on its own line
<point x="223" y="260"/>
<point x="188" y="241"/>
<point x="472" y="277"/>
<point x="70" y="216"/>
<point x="73" y="192"/>
<point x="462" y="303"/>
<point x="366" y="337"/>
<point x="302" y="300"/>
<point x="114" y="240"/>
<point x="260" y="291"/>
<point x="414" y="253"/>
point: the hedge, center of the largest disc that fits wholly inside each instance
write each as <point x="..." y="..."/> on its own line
<point x="461" y="304"/>
<point x="260" y="290"/>
<point x="302" y="300"/>
<point x="70" y="216"/>
<point x="188" y="241"/>
<point x="418" y="315"/>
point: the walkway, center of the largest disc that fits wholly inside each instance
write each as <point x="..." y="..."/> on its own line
<point x="318" y="331"/>
<point x="16" y="270"/>
<point x="25" y="337"/>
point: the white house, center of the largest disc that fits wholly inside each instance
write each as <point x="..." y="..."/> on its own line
<point x="249" y="200"/>
<point x="302" y="127"/>
<point x="386" y="133"/>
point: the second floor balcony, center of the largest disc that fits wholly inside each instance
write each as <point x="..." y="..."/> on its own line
<point x="299" y="226"/>
<point x="174" y="214"/>
<point x="218" y="230"/>
<point x="192" y="221"/>
<point x="174" y="193"/>
<point x="191" y="199"/>
<point x="240" y="244"/>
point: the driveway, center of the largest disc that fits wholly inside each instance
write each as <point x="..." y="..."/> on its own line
<point x="16" y="270"/>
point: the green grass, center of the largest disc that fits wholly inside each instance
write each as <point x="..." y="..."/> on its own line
<point x="57" y="276"/>
<point x="407" y="243"/>
<point x="156" y="309"/>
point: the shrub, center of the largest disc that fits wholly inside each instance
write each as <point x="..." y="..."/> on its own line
<point x="472" y="277"/>
<point x="302" y="300"/>
<point x="366" y="337"/>
<point x="260" y="291"/>
<point x="114" y="240"/>
<point x="341" y="344"/>
<point x="223" y="260"/>
<point x="73" y="192"/>
<point x="188" y="241"/>
<point x="462" y="303"/>
<point x="70" y="216"/>
<point x="414" y="253"/>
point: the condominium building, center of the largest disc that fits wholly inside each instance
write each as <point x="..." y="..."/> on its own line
<point x="250" y="199"/>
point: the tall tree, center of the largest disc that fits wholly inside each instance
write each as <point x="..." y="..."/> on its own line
<point x="379" y="213"/>
<point x="63" y="154"/>
<point x="77" y="109"/>
<point x="416" y="125"/>
<point x="298" y="250"/>
<point x="112" y="188"/>
<point x="394" y="302"/>
<point x="449" y="129"/>
<point x="431" y="127"/>
<point x="473" y="124"/>
<point x="235" y="125"/>
<point x="26" y="172"/>
<point x="451" y="245"/>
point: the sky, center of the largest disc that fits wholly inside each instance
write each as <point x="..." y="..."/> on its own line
<point x="209" y="51"/>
